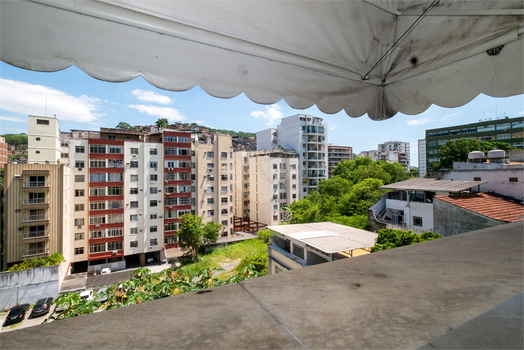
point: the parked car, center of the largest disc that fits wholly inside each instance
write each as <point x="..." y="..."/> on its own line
<point x="16" y="314"/>
<point x="101" y="295"/>
<point x="91" y="273"/>
<point x="87" y="294"/>
<point x="42" y="307"/>
<point x="150" y="260"/>
<point x="106" y="271"/>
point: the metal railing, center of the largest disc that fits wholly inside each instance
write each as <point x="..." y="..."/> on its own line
<point x="36" y="201"/>
<point x="37" y="251"/>
<point x="35" y="234"/>
<point x="35" y="217"/>
<point x="36" y="184"/>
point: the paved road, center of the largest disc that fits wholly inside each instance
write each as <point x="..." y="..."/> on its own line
<point x="108" y="280"/>
<point x="27" y="322"/>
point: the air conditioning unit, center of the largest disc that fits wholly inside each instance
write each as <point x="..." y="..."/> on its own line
<point x="167" y="194"/>
<point x="160" y="216"/>
<point x="97" y="225"/>
<point x="159" y="190"/>
<point x="114" y="252"/>
<point x="79" y="169"/>
<point x="18" y="177"/>
<point x="79" y="226"/>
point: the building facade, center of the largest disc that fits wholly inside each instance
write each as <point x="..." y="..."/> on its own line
<point x="3" y="152"/>
<point x="422" y="161"/>
<point x="307" y="136"/>
<point x="395" y="151"/>
<point x="336" y="154"/>
<point x="507" y="130"/>
<point x="265" y="183"/>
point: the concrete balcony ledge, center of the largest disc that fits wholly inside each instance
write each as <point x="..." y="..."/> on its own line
<point x="402" y="298"/>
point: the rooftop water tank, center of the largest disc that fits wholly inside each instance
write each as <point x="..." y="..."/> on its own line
<point x="475" y="156"/>
<point x="496" y="153"/>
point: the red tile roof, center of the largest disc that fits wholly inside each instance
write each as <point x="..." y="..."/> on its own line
<point x="488" y="205"/>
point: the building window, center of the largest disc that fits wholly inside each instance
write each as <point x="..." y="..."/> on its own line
<point x="210" y="189"/>
<point x="153" y="228"/>
<point x="153" y="190"/>
<point x="294" y="176"/>
<point x="133" y="244"/>
<point x="223" y="200"/>
<point x="115" y="149"/>
<point x="153" y="216"/>
<point x="79" y="149"/>
<point x="79" y="164"/>
<point x="97" y="149"/>
<point x="223" y="189"/>
<point x="153" y="151"/>
<point x="153" y="164"/>
<point x="115" y="232"/>
<point x="133" y="230"/>
<point x="79" y="236"/>
<point x="133" y="164"/>
<point x="210" y="201"/>
<point x="134" y="178"/>
<point x="513" y="179"/>
<point x="417" y="221"/>
<point x="64" y="155"/>
<point x="42" y="122"/>
<point x="211" y="178"/>
<point x="294" y="195"/>
<point x="210" y="213"/>
<point x="275" y="217"/>
<point x="115" y="191"/>
<point x="153" y="241"/>
<point x="477" y="179"/>
<point x="79" y="222"/>
<point x="133" y="190"/>
<point x="79" y="178"/>
<point x="210" y="165"/>
<point x="97" y="163"/>
<point x="133" y="217"/>
<point x="114" y="245"/>
<point x="223" y="166"/>
<point x="211" y="154"/>
<point x="79" y="251"/>
<point x="223" y="154"/>
<point x="223" y="212"/>
<point x="79" y="207"/>
<point x="134" y="150"/>
<point x="133" y="204"/>
<point x="171" y="239"/>
<point x="97" y="205"/>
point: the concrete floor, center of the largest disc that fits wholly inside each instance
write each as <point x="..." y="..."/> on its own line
<point x="402" y="298"/>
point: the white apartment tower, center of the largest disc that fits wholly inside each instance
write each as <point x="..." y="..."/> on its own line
<point x="307" y="136"/>
<point x="265" y="182"/>
<point x="422" y="161"/>
<point x="395" y="151"/>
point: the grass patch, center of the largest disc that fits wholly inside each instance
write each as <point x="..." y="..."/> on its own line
<point x="214" y="256"/>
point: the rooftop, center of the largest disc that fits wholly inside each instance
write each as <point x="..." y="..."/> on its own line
<point x="403" y="298"/>
<point x="328" y="236"/>
<point x="488" y="205"/>
<point x="434" y="185"/>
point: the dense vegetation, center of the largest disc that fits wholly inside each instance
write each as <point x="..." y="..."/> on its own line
<point x="390" y="238"/>
<point x="15" y="139"/>
<point x="194" y="235"/>
<point x="457" y="151"/>
<point x="346" y="197"/>
<point x="54" y="259"/>
<point x="146" y="286"/>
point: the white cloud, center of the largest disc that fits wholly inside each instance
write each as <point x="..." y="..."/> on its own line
<point x="3" y="130"/>
<point x="415" y="122"/>
<point x="446" y="117"/>
<point x="271" y="114"/>
<point x="24" y="98"/>
<point x="333" y="127"/>
<point x="521" y="113"/>
<point x="13" y="119"/>
<point x="173" y="115"/>
<point x="151" y="96"/>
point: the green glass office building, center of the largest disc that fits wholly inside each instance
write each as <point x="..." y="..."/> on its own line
<point x="508" y="130"/>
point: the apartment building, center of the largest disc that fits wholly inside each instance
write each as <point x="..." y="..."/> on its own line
<point x="307" y="136"/>
<point x="43" y="140"/>
<point x="507" y="130"/>
<point x="213" y="195"/>
<point x="3" y="152"/>
<point x="392" y="152"/>
<point x="422" y="161"/>
<point x="265" y="182"/>
<point x="336" y="154"/>
<point x="37" y="217"/>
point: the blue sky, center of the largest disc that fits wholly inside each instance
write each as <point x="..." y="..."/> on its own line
<point x="82" y="102"/>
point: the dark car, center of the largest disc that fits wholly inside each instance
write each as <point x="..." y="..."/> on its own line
<point x="16" y="314"/>
<point x="42" y="307"/>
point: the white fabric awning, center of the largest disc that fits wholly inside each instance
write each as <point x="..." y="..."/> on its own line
<point x="305" y="52"/>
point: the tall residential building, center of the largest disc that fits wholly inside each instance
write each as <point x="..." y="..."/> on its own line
<point x="43" y="140"/>
<point x="391" y="151"/>
<point x="508" y="130"/>
<point x="3" y="152"/>
<point x="422" y="161"/>
<point x="336" y="154"/>
<point x="307" y="136"/>
<point x="265" y="182"/>
<point x="213" y="172"/>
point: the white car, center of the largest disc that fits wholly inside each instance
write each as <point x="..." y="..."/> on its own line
<point x="87" y="294"/>
<point x="105" y="271"/>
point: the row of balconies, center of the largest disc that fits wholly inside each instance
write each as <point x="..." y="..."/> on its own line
<point x="35" y="184"/>
<point x="37" y="251"/>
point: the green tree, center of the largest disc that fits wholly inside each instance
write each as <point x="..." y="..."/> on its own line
<point x="364" y="168"/>
<point x="361" y="197"/>
<point x="194" y="235"/>
<point x="124" y="125"/>
<point x="457" y="151"/>
<point x="304" y="211"/>
<point x="15" y="139"/>
<point x="335" y="186"/>
<point x="390" y="238"/>
<point x="162" y="123"/>
<point x="357" y="221"/>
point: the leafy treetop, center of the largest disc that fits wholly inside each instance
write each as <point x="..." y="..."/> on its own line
<point x="194" y="235"/>
<point x="390" y="238"/>
<point x="15" y="139"/>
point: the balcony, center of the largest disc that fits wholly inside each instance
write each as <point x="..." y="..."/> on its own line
<point x="35" y="185"/>
<point x="30" y="219"/>
<point x="34" y="252"/>
<point x="36" y="203"/>
<point x="35" y="235"/>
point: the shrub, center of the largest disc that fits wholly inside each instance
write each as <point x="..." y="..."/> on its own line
<point x="258" y="261"/>
<point x="54" y="259"/>
<point x="264" y="235"/>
